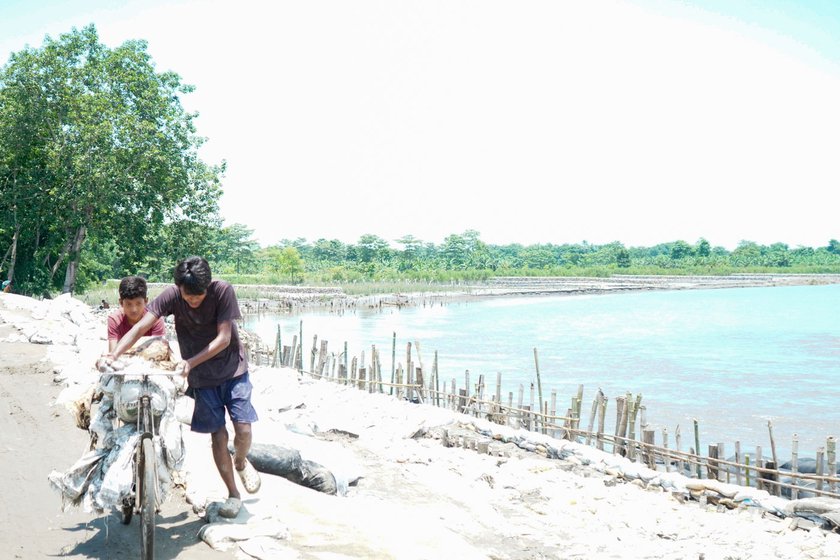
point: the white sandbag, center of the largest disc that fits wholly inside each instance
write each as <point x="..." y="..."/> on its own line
<point x="75" y="481"/>
<point x="118" y="476"/>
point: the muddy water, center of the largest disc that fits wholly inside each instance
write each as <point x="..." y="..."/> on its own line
<point x="732" y="358"/>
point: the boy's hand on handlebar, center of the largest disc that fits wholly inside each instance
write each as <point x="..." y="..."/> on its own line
<point x="105" y="363"/>
<point x="183" y="368"/>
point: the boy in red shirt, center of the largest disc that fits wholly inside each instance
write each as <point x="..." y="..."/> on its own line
<point x="133" y="302"/>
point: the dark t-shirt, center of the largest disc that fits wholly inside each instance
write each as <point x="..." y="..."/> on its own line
<point x="196" y="328"/>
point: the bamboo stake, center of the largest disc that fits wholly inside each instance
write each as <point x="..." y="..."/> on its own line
<point x="830" y="453"/>
<point x="665" y="445"/>
<point x="602" y="412"/>
<point x="437" y="380"/>
<point x="711" y="462"/>
<point x="539" y="382"/>
<point x="393" y="359"/>
<point x="510" y="408"/>
<point x="532" y="420"/>
<point x="697" y="446"/>
<point x="776" y="489"/>
<point x="738" y="460"/>
<point x="292" y="361"/>
<point x="312" y="354"/>
<point x="419" y="373"/>
<point x="631" y="428"/>
<point x="278" y="348"/>
<point x="466" y="390"/>
<point x="678" y="443"/>
<point x="794" y="465"/>
<point x="820" y="466"/>
<point x="408" y="371"/>
<point x="499" y="388"/>
<point x="591" y="426"/>
<point x="620" y="420"/>
<point x="372" y="383"/>
<point x="649" y="452"/>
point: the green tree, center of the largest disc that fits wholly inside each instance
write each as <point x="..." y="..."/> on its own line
<point x="748" y="253"/>
<point x="703" y="249"/>
<point x="235" y="246"/>
<point x="331" y="253"/>
<point x="412" y="248"/>
<point x="538" y="256"/>
<point x="622" y="257"/>
<point x="94" y="143"/>
<point x="680" y="250"/>
<point x="290" y="264"/>
<point x="372" y="249"/>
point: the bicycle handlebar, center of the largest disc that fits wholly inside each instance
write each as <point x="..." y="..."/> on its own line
<point x="123" y="373"/>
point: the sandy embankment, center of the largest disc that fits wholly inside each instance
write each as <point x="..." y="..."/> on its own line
<point x="416" y="497"/>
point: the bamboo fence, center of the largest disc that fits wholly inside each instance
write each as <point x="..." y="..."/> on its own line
<point x="410" y="382"/>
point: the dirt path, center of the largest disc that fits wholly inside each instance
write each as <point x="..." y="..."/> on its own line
<point x="37" y="439"/>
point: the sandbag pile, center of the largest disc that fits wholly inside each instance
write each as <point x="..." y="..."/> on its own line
<point x="485" y="436"/>
<point x="103" y="477"/>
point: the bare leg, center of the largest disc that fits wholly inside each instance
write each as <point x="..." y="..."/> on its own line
<point x="221" y="456"/>
<point x="241" y="444"/>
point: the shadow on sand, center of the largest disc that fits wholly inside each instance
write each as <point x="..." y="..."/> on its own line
<point x="107" y="538"/>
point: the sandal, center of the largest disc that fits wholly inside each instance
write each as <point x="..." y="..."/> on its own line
<point x="250" y="477"/>
<point x="230" y="508"/>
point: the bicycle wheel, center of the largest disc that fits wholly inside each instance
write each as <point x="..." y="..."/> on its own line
<point x="147" y="501"/>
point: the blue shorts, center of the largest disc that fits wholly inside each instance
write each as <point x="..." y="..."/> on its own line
<point x="210" y="403"/>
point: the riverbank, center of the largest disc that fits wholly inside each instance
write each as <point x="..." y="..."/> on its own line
<point x="280" y="298"/>
<point x="417" y="491"/>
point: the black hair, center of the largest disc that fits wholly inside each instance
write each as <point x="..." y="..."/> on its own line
<point x="132" y="287"/>
<point x="193" y="274"/>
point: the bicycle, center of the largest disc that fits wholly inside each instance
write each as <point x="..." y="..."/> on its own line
<point x="143" y="499"/>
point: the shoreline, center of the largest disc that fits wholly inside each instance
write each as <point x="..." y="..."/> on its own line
<point x="283" y="298"/>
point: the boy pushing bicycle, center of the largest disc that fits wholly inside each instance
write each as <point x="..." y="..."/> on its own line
<point x="214" y="363"/>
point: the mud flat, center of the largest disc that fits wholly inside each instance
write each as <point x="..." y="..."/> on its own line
<point x="281" y="298"/>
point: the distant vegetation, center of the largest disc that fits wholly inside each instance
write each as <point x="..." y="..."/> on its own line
<point x="461" y="258"/>
<point x="100" y="177"/>
<point x="464" y="257"/>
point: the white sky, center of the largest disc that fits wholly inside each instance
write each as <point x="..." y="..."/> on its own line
<point x="527" y="121"/>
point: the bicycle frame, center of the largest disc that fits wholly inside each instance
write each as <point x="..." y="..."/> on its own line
<point x="144" y="499"/>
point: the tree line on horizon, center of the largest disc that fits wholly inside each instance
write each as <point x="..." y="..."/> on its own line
<point x="100" y="178"/>
<point x="464" y="256"/>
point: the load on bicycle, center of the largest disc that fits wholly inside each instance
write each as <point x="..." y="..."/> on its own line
<point x="105" y="476"/>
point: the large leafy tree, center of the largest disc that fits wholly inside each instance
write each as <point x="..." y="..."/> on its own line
<point x="237" y="247"/>
<point x="94" y="144"/>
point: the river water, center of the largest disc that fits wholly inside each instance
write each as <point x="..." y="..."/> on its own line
<point x="731" y="358"/>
